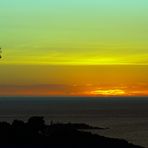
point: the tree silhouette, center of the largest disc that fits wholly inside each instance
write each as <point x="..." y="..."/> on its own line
<point x="0" y="53"/>
<point x="36" y="134"/>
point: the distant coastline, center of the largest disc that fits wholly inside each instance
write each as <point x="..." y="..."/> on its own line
<point x="35" y="132"/>
<point x="127" y="118"/>
<point x="83" y="98"/>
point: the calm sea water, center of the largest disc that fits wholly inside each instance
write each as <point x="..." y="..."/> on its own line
<point x="126" y="117"/>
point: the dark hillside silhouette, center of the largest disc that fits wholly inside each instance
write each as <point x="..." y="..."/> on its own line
<point x="36" y="134"/>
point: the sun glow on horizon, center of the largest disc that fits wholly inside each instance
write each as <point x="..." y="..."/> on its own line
<point x="74" y="48"/>
<point x="109" y="92"/>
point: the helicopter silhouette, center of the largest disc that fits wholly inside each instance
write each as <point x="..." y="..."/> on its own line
<point x="0" y="53"/>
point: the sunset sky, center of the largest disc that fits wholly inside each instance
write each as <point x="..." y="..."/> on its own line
<point x="74" y="47"/>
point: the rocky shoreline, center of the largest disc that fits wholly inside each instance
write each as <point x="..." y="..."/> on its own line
<point x="36" y="134"/>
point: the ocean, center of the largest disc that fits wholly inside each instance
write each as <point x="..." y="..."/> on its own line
<point x="126" y="117"/>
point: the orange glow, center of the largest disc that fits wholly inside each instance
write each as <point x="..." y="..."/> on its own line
<point x="109" y="92"/>
<point x="73" y="80"/>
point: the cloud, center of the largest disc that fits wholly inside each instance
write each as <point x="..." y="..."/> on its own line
<point x="35" y="90"/>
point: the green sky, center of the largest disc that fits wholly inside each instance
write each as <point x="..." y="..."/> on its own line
<point x="74" y="32"/>
<point x="74" y="47"/>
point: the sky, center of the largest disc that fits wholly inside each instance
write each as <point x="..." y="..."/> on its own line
<point x="74" y="48"/>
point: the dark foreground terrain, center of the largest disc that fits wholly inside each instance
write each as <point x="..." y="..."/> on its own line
<point x="36" y="134"/>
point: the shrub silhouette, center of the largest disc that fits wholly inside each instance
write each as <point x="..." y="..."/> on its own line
<point x="36" y="124"/>
<point x="36" y="134"/>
